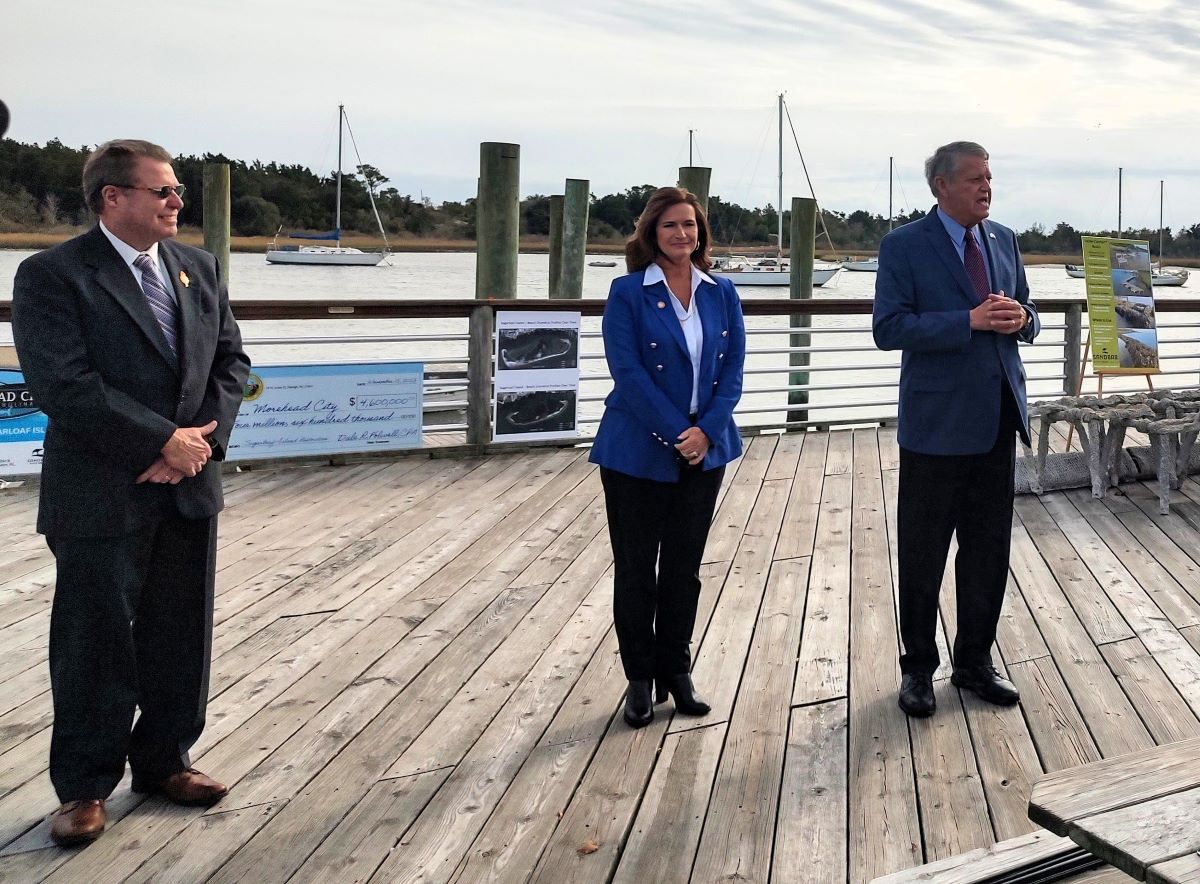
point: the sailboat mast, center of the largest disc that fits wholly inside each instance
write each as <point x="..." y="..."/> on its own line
<point x="1160" y="226"/>
<point x="690" y="133"/>
<point x="337" y="217"/>
<point x="890" y="213"/>
<point x="779" y="207"/>
<point x="1120" y="180"/>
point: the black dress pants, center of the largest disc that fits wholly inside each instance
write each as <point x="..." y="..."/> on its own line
<point x="131" y="626"/>
<point x="970" y="495"/>
<point x="663" y="523"/>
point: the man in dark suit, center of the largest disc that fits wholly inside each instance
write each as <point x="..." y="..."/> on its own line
<point x="128" y="344"/>
<point x="951" y="294"/>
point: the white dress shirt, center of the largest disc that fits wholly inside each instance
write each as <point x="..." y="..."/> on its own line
<point x="689" y="320"/>
<point x="129" y="254"/>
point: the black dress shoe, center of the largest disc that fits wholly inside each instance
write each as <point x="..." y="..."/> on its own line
<point x="916" y="694"/>
<point x="681" y="688"/>
<point x="639" y="711"/>
<point x="987" y="684"/>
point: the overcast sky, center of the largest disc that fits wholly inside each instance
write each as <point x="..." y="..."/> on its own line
<point x="1060" y="92"/>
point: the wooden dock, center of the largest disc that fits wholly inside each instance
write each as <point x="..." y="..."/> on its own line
<point x="415" y="679"/>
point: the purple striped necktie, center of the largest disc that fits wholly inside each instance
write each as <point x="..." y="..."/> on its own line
<point x="976" y="272"/>
<point x="160" y="301"/>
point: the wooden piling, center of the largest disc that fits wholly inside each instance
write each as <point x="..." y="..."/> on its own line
<point x="216" y="214"/>
<point x="696" y="179"/>
<point x="497" y="220"/>
<point x="556" y="233"/>
<point x="574" y="237"/>
<point x="802" y="231"/>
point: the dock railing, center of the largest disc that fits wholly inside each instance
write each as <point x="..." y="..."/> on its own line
<point x="847" y="381"/>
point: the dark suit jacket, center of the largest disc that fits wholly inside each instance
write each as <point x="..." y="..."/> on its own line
<point x="652" y="378"/>
<point x="950" y="376"/>
<point x="98" y="365"/>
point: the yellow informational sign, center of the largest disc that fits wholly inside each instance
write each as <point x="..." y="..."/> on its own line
<point x="1120" y="301"/>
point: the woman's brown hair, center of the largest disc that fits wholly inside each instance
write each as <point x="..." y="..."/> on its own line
<point x="642" y="247"/>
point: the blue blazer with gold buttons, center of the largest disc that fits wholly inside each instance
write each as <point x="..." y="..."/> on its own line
<point x="652" y="378"/>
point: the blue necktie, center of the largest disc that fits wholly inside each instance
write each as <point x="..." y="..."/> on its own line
<point x="976" y="272"/>
<point x="161" y="303"/>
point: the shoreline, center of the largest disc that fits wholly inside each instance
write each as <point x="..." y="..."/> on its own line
<point x="529" y="245"/>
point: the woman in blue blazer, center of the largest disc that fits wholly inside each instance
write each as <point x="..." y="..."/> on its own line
<point x="675" y="344"/>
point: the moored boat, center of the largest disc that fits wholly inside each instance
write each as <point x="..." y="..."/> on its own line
<point x="336" y="255"/>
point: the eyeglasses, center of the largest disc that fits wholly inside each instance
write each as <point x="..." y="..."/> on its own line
<point x="162" y="193"/>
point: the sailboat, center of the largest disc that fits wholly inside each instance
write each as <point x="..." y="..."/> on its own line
<point x="871" y="265"/>
<point x="772" y="271"/>
<point x="338" y="255"/>
<point x="1159" y="275"/>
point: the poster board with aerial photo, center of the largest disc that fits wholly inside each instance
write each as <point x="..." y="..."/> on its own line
<point x="1120" y="302"/>
<point x="537" y="375"/>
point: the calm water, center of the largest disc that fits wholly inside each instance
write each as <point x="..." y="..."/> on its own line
<point x="452" y="276"/>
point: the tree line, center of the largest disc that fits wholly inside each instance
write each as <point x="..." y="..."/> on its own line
<point x="39" y="189"/>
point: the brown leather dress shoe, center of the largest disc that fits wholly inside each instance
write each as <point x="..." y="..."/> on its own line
<point x="188" y="787"/>
<point x="78" y="822"/>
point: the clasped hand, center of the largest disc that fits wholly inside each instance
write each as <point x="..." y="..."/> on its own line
<point x="1000" y="314"/>
<point x="185" y="454"/>
<point x="692" y="445"/>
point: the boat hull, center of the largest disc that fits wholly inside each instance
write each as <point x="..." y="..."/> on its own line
<point x="821" y="275"/>
<point x="327" y="257"/>
<point x="868" y="265"/>
<point x="1159" y="278"/>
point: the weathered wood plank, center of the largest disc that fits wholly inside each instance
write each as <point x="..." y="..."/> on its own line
<point x="359" y="844"/>
<point x="1113" y="722"/>
<point x="810" y="836"/>
<point x="1058" y="730"/>
<point x="1165" y="713"/>
<point x="510" y="842"/>
<point x="882" y="789"/>
<point x="986" y="862"/>
<point x="1062" y="797"/>
<point x="662" y="843"/>
<point x="1134" y="838"/>
<point x="722" y="655"/>
<point x="737" y="838"/>
<point x="729" y="521"/>
<point x="1185" y="870"/>
<point x="1094" y="609"/>
<point x="822" y="669"/>
<point x="798" y="532"/>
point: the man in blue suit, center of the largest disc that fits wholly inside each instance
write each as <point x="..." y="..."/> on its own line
<point x="951" y="294"/>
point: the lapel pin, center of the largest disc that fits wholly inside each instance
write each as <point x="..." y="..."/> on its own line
<point x="184" y="278"/>
<point x="661" y="305"/>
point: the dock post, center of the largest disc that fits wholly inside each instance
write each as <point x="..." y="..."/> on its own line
<point x="216" y="215"/>
<point x="479" y="375"/>
<point x="574" y="237"/>
<point x="1072" y="357"/>
<point x="695" y="179"/>
<point x="803" y="235"/>
<point x="556" y="234"/>
<point x="497" y="220"/>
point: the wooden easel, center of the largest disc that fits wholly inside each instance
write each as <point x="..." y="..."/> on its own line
<point x="1099" y="375"/>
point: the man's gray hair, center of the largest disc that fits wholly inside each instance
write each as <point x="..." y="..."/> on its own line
<point x="944" y="161"/>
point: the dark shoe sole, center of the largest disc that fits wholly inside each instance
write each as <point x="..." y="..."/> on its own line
<point x="75" y="840"/>
<point x="995" y="701"/>
<point x="637" y="723"/>
<point x="143" y="789"/>
<point x="914" y="712"/>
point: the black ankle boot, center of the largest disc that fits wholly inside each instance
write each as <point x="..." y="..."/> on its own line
<point x="681" y="688"/>
<point x="639" y="711"/>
